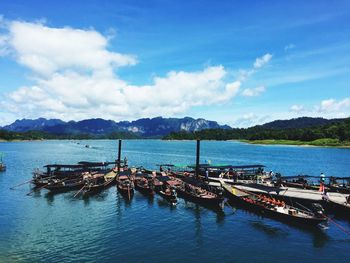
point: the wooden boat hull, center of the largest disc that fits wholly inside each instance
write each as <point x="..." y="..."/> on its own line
<point x="170" y="198"/>
<point x="125" y="191"/>
<point x="338" y="208"/>
<point x="199" y="200"/>
<point x="144" y="190"/>
<point x="259" y="209"/>
<point x="95" y="189"/>
<point x="58" y="188"/>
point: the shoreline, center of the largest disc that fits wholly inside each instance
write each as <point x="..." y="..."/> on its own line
<point x="316" y="143"/>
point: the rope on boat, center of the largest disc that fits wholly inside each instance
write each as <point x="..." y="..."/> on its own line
<point x="81" y="189"/>
<point x="37" y="189"/>
<point x="338" y="225"/>
<point x="227" y="203"/>
<point x="13" y="187"/>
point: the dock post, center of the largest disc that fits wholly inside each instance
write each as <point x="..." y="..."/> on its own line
<point x="119" y="153"/>
<point x="197" y="158"/>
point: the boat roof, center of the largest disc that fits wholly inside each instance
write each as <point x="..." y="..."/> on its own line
<point x="95" y="164"/>
<point x="143" y="175"/>
<point x="224" y="166"/>
<point x="80" y="165"/>
<point x="163" y="178"/>
<point x="64" y="166"/>
<point x="127" y="172"/>
<point x="212" y="166"/>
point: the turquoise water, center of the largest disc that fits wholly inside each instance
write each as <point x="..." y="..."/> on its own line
<point x="106" y="228"/>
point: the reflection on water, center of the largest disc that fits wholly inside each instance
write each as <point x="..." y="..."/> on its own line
<point x="108" y="227"/>
<point x="271" y="231"/>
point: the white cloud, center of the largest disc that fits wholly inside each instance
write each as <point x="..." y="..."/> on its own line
<point x="46" y="50"/>
<point x="74" y="78"/>
<point x="262" y="61"/>
<point x="332" y="105"/>
<point x="253" y="92"/>
<point x="289" y="46"/>
<point x="250" y="119"/>
<point x="297" y="108"/>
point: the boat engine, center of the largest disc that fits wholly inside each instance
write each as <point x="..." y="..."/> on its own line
<point x="317" y="209"/>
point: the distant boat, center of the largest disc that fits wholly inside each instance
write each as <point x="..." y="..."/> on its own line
<point x="2" y="165"/>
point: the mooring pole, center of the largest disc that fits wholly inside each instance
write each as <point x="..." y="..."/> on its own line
<point x="119" y="153"/>
<point x="197" y="158"/>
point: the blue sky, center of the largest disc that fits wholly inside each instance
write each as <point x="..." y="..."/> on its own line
<point x="237" y="62"/>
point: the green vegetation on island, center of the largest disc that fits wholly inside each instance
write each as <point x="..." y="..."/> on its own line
<point x="40" y="135"/>
<point x="336" y="134"/>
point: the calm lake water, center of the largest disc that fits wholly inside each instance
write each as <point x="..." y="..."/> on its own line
<point x="106" y="228"/>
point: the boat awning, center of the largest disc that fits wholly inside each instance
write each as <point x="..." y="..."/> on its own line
<point x="221" y="166"/>
<point x="163" y="178"/>
<point x="143" y="175"/>
<point x="96" y="164"/>
<point x="64" y="166"/>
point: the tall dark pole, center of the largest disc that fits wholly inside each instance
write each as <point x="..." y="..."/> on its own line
<point x="197" y="157"/>
<point x="119" y="153"/>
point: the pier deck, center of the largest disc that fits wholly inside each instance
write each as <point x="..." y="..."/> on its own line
<point x="293" y="193"/>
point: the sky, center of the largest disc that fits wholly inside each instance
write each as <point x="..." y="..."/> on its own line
<point x="240" y="63"/>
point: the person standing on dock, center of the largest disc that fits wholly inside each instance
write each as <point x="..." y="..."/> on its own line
<point x="323" y="177"/>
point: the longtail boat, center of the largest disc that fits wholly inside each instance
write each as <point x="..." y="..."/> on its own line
<point x="64" y="171"/>
<point x="199" y="195"/>
<point x="125" y="185"/>
<point x="64" y="185"/>
<point x="166" y="188"/>
<point x="98" y="182"/>
<point x="273" y="208"/>
<point x="2" y="165"/>
<point x="142" y="183"/>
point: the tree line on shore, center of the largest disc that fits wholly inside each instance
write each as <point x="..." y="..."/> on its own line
<point x="337" y="130"/>
<point x="40" y="135"/>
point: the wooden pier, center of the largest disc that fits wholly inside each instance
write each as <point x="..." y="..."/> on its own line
<point x="290" y="193"/>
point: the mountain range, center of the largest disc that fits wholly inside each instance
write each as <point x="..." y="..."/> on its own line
<point x="298" y="123"/>
<point x="147" y="128"/>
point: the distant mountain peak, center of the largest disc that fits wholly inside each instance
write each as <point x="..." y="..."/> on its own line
<point x="146" y="127"/>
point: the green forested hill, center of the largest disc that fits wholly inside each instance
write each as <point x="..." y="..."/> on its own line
<point x="337" y="131"/>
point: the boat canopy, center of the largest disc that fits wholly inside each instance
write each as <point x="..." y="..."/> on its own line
<point x="234" y="167"/>
<point x="80" y="165"/>
<point x="97" y="164"/>
<point x="64" y="166"/>
<point x="163" y="178"/>
<point x="143" y="175"/>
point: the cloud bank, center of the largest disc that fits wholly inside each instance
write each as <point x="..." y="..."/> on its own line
<point x="75" y="76"/>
